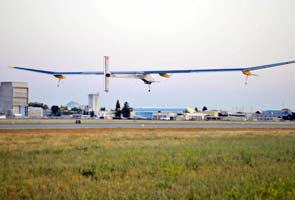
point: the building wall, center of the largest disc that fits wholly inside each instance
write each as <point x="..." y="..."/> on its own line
<point x="273" y="115"/>
<point x="144" y="115"/>
<point x="34" y="112"/>
<point x="6" y="93"/>
<point x="94" y="102"/>
<point x="14" y="98"/>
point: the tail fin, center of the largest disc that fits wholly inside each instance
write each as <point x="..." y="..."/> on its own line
<point x="107" y="73"/>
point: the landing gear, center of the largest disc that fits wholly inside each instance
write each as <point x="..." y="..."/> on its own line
<point x="149" y="84"/>
<point x="246" y="81"/>
<point x="58" y="82"/>
<point x="148" y="80"/>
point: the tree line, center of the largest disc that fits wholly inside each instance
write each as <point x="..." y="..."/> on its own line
<point x="125" y="112"/>
<point x="56" y="110"/>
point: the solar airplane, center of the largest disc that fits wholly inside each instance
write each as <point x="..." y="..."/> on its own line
<point x="146" y="76"/>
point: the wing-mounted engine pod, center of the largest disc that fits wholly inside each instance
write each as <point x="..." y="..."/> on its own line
<point x="247" y="73"/>
<point x="165" y="75"/>
<point x="59" y="76"/>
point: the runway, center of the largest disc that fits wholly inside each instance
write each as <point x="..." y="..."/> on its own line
<point x="147" y="124"/>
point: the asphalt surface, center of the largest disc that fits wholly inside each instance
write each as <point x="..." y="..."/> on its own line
<point x="148" y="125"/>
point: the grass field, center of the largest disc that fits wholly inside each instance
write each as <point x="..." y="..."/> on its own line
<point x="147" y="164"/>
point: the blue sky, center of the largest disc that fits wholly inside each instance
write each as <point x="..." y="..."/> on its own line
<point x="74" y="35"/>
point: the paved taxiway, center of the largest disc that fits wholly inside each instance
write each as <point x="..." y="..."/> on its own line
<point x="141" y="124"/>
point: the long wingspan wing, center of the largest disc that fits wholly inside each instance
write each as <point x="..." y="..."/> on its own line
<point x="33" y="70"/>
<point x="270" y="65"/>
<point x="58" y="73"/>
<point x="207" y="70"/>
<point x="242" y="69"/>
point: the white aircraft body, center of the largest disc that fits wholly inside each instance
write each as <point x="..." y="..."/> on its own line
<point x="146" y="76"/>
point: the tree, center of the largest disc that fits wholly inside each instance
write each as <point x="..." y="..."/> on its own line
<point x="118" y="110"/>
<point x="257" y="112"/>
<point x="64" y="110"/>
<point x="204" y="108"/>
<point x="92" y="114"/>
<point x="126" y="110"/>
<point x="196" y="109"/>
<point x="55" y="110"/>
<point x="85" y="112"/>
<point x="290" y="117"/>
<point x="38" y="105"/>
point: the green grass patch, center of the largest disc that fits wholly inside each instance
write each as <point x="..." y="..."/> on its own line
<point x="147" y="164"/>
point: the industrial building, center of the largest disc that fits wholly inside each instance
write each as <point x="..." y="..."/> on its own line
<point x="93" y="103"/>
<point x="35" y="112"/>
<point x="174" y="114"/>
<point x="273" y="115"/>
<point x="157" y="113"/>
<point x="14" y="98"/>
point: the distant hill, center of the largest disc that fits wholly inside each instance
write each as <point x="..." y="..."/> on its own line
<point x="72" y="104"/>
